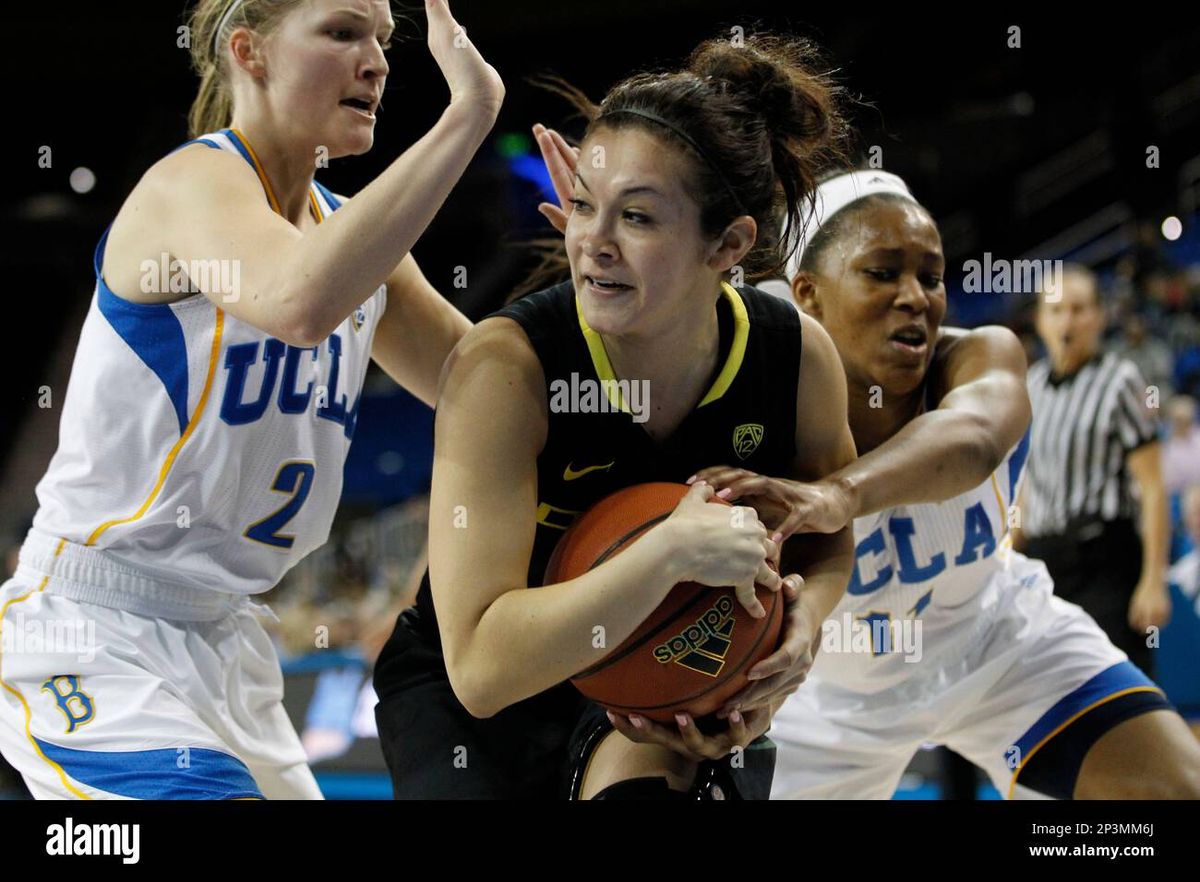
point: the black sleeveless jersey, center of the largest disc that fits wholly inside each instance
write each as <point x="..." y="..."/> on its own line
<point x="593" y="447"/>
<point x="596" y="445"/>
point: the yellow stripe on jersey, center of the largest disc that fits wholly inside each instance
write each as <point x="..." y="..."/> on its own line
<point x="258" y="169"/>
<point x="737" y="352"/>
<point x="546" y="512"/>
<point x="741" y="333"/>
<point x="604" y="369"/>
<point x="314" y="207"/>
<point x="71" y="788"/>
<point x="1095" y="704"/>
<point x="1000" y="502"/>
<point x="213" y="358"/>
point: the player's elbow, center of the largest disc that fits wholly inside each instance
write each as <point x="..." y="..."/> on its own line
<point x="984" y="445"/>
<point x="473" y="688"/>
<point x="297" y="317"/>
<point x="301" y="329"/>
<point x="299" y="337"/>
<point x="477" y="701"/>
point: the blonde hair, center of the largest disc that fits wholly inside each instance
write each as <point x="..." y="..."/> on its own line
<point x="212" y="108"/>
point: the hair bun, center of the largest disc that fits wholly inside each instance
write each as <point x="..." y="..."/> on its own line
<point x="775" y="77"/>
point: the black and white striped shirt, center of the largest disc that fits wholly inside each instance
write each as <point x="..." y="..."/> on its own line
<point x="1084" y="426"/>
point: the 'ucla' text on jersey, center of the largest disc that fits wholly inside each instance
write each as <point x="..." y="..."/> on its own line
<point x="929" y="563"/>
<point x="197" y="451"/>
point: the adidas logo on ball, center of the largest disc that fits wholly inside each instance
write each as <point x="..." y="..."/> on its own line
<point x="702" y="645"/>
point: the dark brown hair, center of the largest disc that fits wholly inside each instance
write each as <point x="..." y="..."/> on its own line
<point x="758" y="120"/>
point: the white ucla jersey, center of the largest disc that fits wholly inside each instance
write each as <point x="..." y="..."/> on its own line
<point x="928" y="564"/>
<point x="195" y="450"/>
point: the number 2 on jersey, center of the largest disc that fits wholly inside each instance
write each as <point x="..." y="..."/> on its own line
<point x="295" y="478"/>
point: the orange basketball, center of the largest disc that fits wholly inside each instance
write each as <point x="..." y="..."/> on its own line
<point x="692" y="653"/>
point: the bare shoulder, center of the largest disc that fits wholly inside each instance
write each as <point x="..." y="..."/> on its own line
<point x="494" y="355"/>
<point x="497" y="339"/>
<point x="178" y="189"/>
<point x="986" y="339"/>
<point x="492" y="396"/>
<point x="963" y="355"/>
<point x="197" y="174"/>
<point x="817" y="347"/>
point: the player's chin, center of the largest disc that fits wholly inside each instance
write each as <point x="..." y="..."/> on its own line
<point x="354" y="139"/>
<point x="605" y="315"/>
<point x="358" y="143"/>
<point x="900" y="377"/>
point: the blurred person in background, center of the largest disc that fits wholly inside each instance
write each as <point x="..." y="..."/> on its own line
<point x="1185" y="572"/>
<point x="1094" y="454"/>
<point x="1181" y="450"/>
<point x="1152" y="357"/>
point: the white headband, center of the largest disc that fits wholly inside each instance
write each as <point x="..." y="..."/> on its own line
<point x="224" y="21"/>
<point x="835" y="194"/>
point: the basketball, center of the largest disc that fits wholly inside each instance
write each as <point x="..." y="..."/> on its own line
<point x="694" y="650"/>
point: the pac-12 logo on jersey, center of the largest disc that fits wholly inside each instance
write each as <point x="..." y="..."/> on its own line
<point x="358" y="318"/>
<point x="237" y="411"/>
<point x="746" y="439"/>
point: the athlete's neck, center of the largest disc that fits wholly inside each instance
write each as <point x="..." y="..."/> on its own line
<point x="677" y="361"/>
<point x="289" y="168"/>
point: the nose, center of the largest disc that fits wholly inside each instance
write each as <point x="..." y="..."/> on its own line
<point x="911" y="295"/>
<point x="597" y="241"/>
<point x="375" y="65"/>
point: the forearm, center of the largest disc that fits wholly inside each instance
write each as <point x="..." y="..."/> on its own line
<point x="528" y="640"/>
<point x="1156" y="534"/>
<point x="934" y="457"/>
<point x="335" y="267"/>
<point x="826" y="562"/>
<point x="417" y="335"/>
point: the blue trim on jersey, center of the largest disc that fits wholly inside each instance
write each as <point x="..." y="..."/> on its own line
<point x="334" y="202"/>
<point x="204" y="141"/>
<point x="1118" y="678"/>
<point x="241" y="148"/>
<point x="1016" y="463"/>
<point x="166" y="773"/>
<point x="153" y="332"/>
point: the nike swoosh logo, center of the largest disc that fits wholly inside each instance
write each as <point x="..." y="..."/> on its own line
<point x="571" y="475"/>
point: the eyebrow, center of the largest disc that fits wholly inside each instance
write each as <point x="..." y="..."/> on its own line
<point x="628" y="191"/>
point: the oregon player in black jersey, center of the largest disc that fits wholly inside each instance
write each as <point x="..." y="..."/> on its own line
<point x="647" y="365"/>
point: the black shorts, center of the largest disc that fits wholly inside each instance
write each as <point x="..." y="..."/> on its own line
<point x="435" y="749"/>
<point x="535" y="749"/>
<point x="1097" y="565"/>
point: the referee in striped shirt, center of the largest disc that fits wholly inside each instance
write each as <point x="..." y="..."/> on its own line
<point x="1093" y="505"/>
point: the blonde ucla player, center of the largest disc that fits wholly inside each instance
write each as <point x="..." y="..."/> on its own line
<point x="1020" y="682"/>
<point x="208" y="416"/>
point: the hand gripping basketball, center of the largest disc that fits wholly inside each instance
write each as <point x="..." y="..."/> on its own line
<point x="727" y="546"/>
<point x="692" y="653"/>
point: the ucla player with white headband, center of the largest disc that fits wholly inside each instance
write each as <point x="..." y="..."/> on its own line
<point x="213" y="398"/>
<point x="945" y="634"/>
